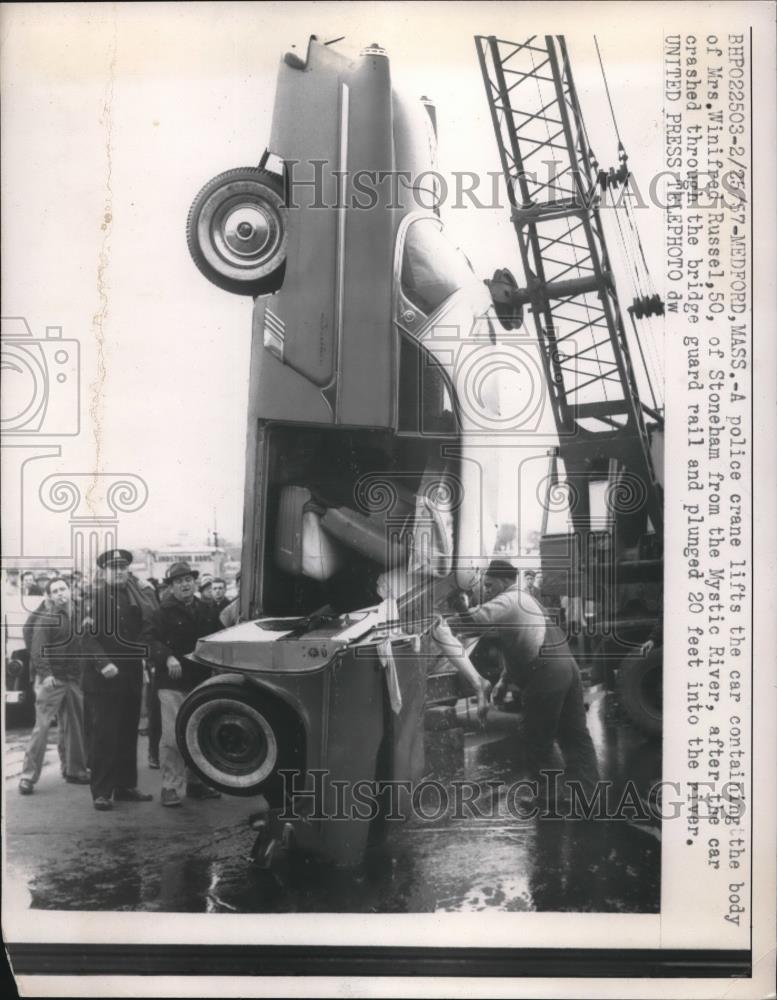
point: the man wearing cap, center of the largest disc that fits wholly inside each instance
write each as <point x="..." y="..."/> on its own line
<point x="38" y="589"/>
<point x="538" y="660"/>
<point x="113" y="682"/>
<point x="175" y="628"/>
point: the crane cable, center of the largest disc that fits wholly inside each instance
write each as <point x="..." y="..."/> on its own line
<point x="607" y="90"/>
<point x="631" y="258"/>
<point x="637" y="244"/>
<point x="636" y="241"/>
<point x="632" y="222"/>
<point x="650" y="289"/>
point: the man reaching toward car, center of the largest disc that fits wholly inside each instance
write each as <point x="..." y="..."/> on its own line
<point x="538" y="660"/>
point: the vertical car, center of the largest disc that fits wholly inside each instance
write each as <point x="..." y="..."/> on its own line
<point x="368" y="481"/>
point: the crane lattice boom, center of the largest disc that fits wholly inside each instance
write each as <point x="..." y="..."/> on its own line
<point x="552" y="181"/>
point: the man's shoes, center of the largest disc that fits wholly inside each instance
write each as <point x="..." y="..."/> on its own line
<point x="102" y="804"/>
<point x="198" y="791"/>
<point x="153" y="763"/>
<point x="131" y="795"/>
<point x="26" y="787"/>
<point x="77" y="779"/>
<point x="170" y="797"/>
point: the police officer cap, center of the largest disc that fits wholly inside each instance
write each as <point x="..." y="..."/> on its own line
<point x="180" y="569"/>
<point x="114" y="557"/>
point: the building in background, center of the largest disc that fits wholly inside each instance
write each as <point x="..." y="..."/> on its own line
<point x="156" y="562"/>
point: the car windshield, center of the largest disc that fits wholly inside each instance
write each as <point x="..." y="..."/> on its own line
<point x="432" y="268"/>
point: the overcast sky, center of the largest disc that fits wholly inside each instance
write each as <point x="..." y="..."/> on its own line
<point x="113" y="118"/>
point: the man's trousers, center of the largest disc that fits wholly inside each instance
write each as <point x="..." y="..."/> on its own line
<point x="65" y="702"/>
<point x="113" y="730"/>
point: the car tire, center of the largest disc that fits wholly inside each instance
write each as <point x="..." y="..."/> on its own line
<point x="640" y="690"/>
<point x="237" y="231"/>
<point x="235" y="738"/>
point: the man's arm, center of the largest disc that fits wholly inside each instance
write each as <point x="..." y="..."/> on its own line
<point x="483" y="617"/>
<point x="155" y="636"/>
<point x="448" y="644"/>
<point x="656" y="637"/>
<point x="33" y="623"/>
<point x="512" y="613"/>
<point x="40" y="668"/>
<point x="228" y="616"/>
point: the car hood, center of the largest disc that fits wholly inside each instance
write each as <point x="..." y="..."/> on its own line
<point x="287" y="644"/>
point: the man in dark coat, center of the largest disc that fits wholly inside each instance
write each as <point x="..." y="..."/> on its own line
<point x="218" y="592"/>
<point x="113" y="682"/>
<point x="145" y="593"/>
<point x="180" y="621"/>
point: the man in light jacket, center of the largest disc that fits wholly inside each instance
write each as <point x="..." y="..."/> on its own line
<point x="56" y="663"/>
<point x="537" y="659"/>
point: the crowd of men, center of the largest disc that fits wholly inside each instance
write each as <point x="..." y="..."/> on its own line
<point x="92" y="647"/>
<point x="95" y="649"/>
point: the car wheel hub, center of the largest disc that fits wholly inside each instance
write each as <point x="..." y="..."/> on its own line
<point x="246" y="230"/>
<point x="231" y="742"/>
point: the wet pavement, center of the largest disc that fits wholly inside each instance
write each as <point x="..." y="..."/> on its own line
<point x="62" y="855"/>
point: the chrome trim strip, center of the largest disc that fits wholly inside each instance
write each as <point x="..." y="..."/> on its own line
<point x="274" y="333"/>
<point x="334" y="388"/>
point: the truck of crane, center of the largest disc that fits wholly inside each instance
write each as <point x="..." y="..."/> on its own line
<point x="602" y="537"/>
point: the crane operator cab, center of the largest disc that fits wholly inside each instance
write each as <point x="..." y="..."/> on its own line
<point x="368" y="498"/>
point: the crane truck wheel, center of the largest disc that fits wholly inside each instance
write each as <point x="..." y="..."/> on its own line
<point x="640" y="690"/>
<point x="237" y="231"/>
